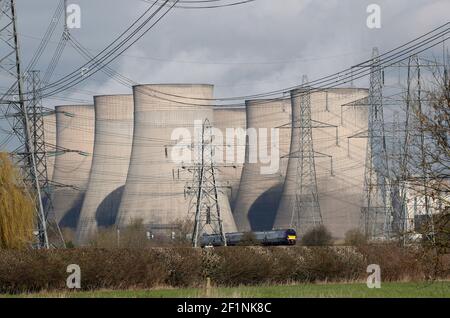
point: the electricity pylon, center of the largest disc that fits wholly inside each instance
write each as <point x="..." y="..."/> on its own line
<point x="376" y="213"/>
<point x="15" y="106"/>
<point x="306" y="210"/>
<point x="422" y="195"/>
<point x="203" y="191"/>
<point x="37" y="135"/>
<point x="404" y="221"/>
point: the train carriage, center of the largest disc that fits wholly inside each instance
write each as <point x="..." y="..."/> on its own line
<point x="265" y="238"/>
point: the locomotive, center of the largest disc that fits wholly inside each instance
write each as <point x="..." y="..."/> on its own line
<point x="265" y="238"/>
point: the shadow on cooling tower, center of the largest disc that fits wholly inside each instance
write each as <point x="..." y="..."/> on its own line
<point x="70" y="219"/>
<point x="108" y="209"/>
<point x="263" y="211"/>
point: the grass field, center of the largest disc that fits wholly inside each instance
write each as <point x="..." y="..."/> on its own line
<point x="358" y="290"/>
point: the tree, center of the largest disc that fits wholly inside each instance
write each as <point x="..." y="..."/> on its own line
<point x="434" y="181"/>
<point x="16" y="208"/>
<point x="435" y="125"/>
<point x="317" y="236"/>
<point x="355" y="238"/>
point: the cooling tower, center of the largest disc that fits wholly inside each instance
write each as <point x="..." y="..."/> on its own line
<point x="50" y="142"/>
<point x="259" y="192"/>
<point x="155" y="190"/>
<point x="75" y="141"/>
<point x="234" y="118"/>
<point x="339" y="167"/>
<point x="112" y="150"/>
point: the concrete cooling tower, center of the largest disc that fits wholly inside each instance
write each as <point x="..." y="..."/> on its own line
<point x="259" y="192"/>
<point x="50" y="142"/>
<point x="225" y="118"/>
<point x="339" y="168"/>
<point x="112" y="150"/>
<point x="75" y="141"/>
<point x="155" y="190"/>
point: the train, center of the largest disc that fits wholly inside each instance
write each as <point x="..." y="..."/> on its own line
<point x="265" y="238"/>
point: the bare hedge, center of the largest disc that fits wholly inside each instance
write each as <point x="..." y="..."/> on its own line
<point x="32" y="271"/>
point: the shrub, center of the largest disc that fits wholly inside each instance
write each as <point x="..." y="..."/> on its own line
<point x="329" y="264"/>
<point x="184" y="266"/>
<point x="396" y="263"/>
<point x="355" y="238"/>
<point x="135" y="235"/>
<point x="442" y="230"/>
<point x="318" y="236"/>
<point x="37" y="270"/>
<point x="285" y="264"/>
<point x="242" y="266"/>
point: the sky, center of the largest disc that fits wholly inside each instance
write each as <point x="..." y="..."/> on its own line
<point x="250" y="48"/>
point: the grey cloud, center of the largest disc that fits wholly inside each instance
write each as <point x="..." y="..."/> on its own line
<point x="313" y="37"/>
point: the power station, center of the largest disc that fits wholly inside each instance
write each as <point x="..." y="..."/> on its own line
<point x="166" y="155"/>
<point x="116" y="161"/>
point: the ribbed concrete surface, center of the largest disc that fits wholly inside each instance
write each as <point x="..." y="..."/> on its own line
<point x="224" y="118"/>
<point x="155" y="187"/>
<point x="339" y="195"/>
<point x="74" y="132"/>
<point x="112" y="150"/>
<point x="259" y="193"/>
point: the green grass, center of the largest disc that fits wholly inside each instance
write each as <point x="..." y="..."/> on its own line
<point x="358" y="290"/>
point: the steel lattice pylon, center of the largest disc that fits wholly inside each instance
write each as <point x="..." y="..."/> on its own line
<point x="204" y="204"/>
<point x="405" y="221"/>
<point x="306" y="210"/>
<point x="37" y="135"/>
<point x="35" y="111"/>
<point x="376" y="214"/>
<point x="415" y="144"/>
<point x="15" y="106"/>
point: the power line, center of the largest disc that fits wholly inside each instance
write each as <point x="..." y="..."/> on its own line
<point x="206" y="6"/>
<point x="328" y="82"/>
<point x="106" y="56"/>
